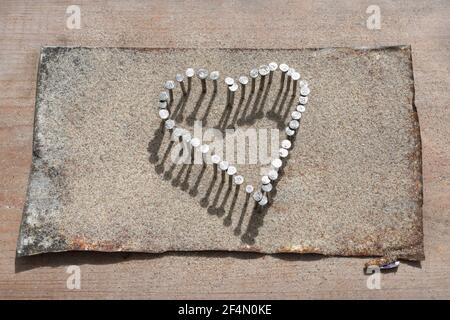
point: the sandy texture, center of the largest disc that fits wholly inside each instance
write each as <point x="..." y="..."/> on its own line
<point x="100" y="180"/>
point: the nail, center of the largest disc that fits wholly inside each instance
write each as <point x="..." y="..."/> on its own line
<point x="186" y="138"/>
<point x="163" y="104"/>
<point x="214" y="76"/>
<point x="263" y="71"/>
<point x="190" y="72"/>
<point x="286" y="144"/>
<point x="264" y="200"/>
<point x="229" y="81"/>
<point x="163" y="114"/>
<point x="266" y="188"/>
<point x="294" y="124"/>
<point x="304" y="91"/>
<point x="301" y="108"/>
<point x="283" y="153"/>
<point x="296" y="115"/>
<point x="223" y="166"/>
<point x="248" y="191"/>
<point x="273" y="66"/>
<point x="289" y="132"/>
<point x="195" y="143"/>
<point x="202" y="74"/>
<point x="169" y="124"/>
<point x="254" y="73"/>
<point x="169" y="85"/>
<point x="303" y="100"/>
<point x="289" y="77"/>
<point x="276" y="164"/>
<point x="180" y="79"/>
<point x="284" y="68"/>
<point x="231" y="171"/>
<point x="204" y="149"/>
<point x="295" y="78"/>
<point x="273" y="175"/>
<point x="231" y="89"/>
<point x="243" y="80"/>
<point x="238" y="180"/>
<point x="257" y="196"/>
<point x="215" y="159"/>
<point x="265" y="180"/>
<point x="163" y="96"/>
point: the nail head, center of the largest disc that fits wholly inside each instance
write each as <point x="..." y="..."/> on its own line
<point x="294" y="124"/>
<point x="273" y="66"/>
<point x="254" y="73"/>
<point x="169" y="124"/>
<point x="286" y="144"/>
<point x="163" y="96"/>
<point x="289" y="132"/>
<point x="234" y="87"/>
<point x="267" y="187"/>
<point x="231" y="170"/>
<point x="277" y="163"/>
<point x="243" y="80"/>
<point x="265" y="180"/>
<point x="229" y="81"/>
<point x="303" y="100"/>
<point x="263" y="201"/>
<point x="283" y="153"/>
<point x="273" y="175"/>
<point x="223" y="165"/>
<point x="215" y="159"/>
<point x="202" y="74"/>
<point x="257" y="196"/>
<point x="296" y="115"/>
<point x="214" y="75"/>
<point x="179" y="77"/>
<point x="190" y="72"/>
<point x="195" y="142"/>
<point x="284" y="67"/>
<point x="238" y="180"/>
<point x="169" y="85"/>
<point x="163" y="114"/>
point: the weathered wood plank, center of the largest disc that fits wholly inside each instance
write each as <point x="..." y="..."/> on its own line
<point x="27" y="25"/>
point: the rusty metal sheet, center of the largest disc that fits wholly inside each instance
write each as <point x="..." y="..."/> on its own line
<point x="101" y="180"/>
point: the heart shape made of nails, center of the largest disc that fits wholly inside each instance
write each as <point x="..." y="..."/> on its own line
<point x="264" y="73"/>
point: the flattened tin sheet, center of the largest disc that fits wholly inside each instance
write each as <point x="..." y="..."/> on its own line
<point x="100" y="179"/>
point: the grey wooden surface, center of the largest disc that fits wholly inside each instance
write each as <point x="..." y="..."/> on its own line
<point x="27" y="25"/>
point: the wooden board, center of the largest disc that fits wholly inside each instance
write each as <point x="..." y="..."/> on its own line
<point x="28" y="25"/>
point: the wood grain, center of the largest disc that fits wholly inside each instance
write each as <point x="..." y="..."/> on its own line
<point x="27" y="25"/>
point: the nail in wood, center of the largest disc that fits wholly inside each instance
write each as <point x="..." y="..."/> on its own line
<point x="180" y="79"/>
<point x="284" y="69"/>
<point x="202" y="74"/>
